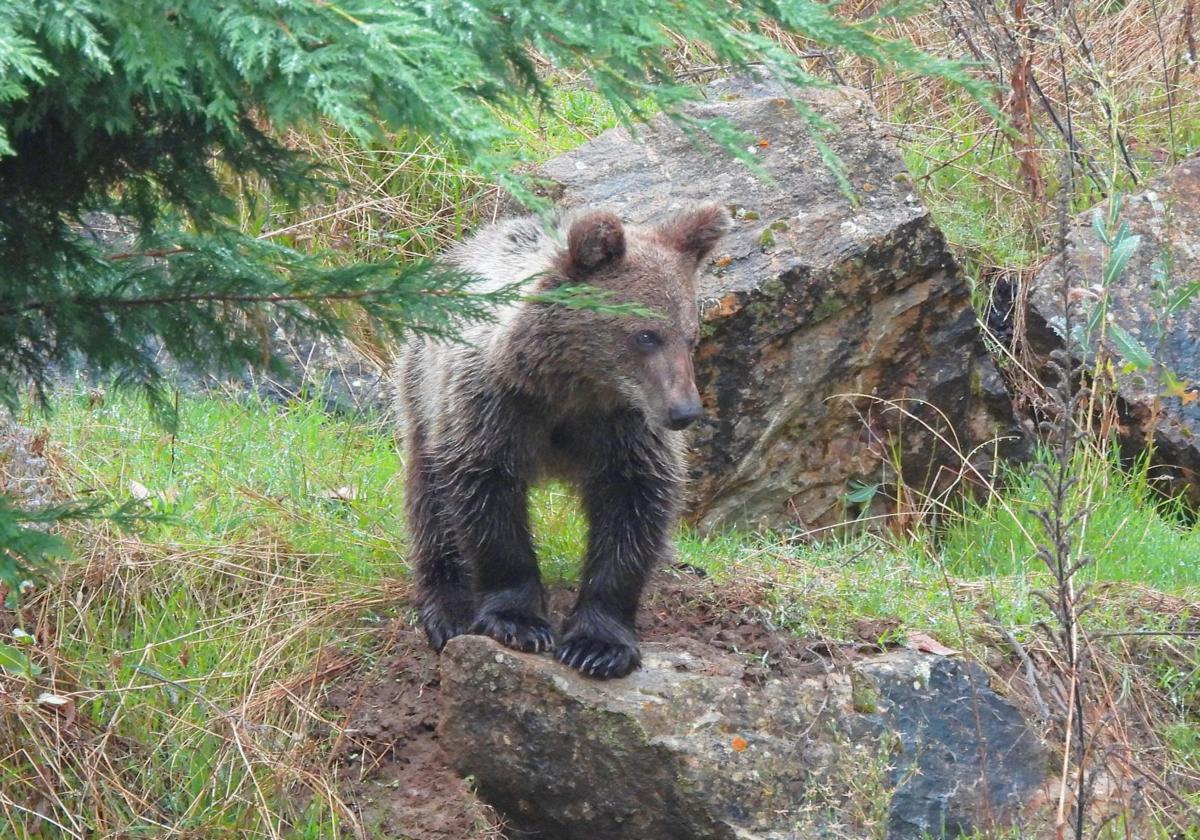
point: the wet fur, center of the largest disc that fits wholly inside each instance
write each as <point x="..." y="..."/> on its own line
<point x="548" y="391"/>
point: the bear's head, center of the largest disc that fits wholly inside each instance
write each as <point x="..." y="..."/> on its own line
<point x="647" y="358"/>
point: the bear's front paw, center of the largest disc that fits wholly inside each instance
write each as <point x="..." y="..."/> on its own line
<point x="442" y="623"/>
<point x="603" y="659"/>
<point x="517" y="630"/>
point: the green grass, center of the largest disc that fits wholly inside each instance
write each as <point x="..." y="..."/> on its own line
<point x="575" y="116"/>
<point x="285" y="539"/>
<point x="812" y="589"/>
<point x="179" y="638"/>
<point x="1131" y="532"/>
<point x="965" y="177"/>
<point x="240" y="470"/>
<point x="332" y="489"/>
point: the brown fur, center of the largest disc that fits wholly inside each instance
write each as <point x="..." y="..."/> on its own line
<point x="551" y="390"/>
<point x="594" y="241"/>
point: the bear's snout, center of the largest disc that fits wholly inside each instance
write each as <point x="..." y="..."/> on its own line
<point x="681" y="415"/>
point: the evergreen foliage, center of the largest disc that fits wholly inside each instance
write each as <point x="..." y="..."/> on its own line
<point x="28" y="548"/>
<point x="157" y="113"/>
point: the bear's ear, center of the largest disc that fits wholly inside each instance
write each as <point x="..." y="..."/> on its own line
<point x="594" y="241"/>
<point x="696" y="231"/>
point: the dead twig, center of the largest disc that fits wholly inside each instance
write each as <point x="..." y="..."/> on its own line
<point x="1031" y="675"/>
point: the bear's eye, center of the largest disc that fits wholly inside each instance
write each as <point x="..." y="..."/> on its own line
<point x="648" y="339"/>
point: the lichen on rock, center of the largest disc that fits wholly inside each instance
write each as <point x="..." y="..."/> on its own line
<point x="685" y="749"/>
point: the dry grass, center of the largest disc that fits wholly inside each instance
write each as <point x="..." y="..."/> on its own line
<point x="180" y="692"/>
<point x="408" y="196"/>
<point x="182" y="670"/>
<point x="1134" y="775"/>
<point x="1117" y="84"/>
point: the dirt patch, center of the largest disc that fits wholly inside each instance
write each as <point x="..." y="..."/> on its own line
<point x="392" y="770"/>
<point x="685" y="610"/>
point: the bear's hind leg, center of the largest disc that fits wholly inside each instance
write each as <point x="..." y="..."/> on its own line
<point x="443" y="579"/>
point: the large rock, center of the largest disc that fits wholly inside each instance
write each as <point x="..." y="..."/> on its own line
<point x="1167" y="218"/>
<point x="815" y="312"/>
<point x="685" y="749"/>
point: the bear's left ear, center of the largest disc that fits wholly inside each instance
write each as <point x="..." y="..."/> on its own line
<point x="595" y="241"/>
<point x="696" y="231"/>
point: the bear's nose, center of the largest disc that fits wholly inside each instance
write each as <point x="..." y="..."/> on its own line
<point x="682" y="415"/>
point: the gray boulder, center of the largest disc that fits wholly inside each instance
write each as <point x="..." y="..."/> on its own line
<point x="821" y="319"/>
<point x="688" y="749"/>
<point x="1167" y="218"/>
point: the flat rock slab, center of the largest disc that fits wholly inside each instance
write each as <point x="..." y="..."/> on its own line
<point x="686" y="749"/>
<point x="810" y="301"/>
<point x="1167" y="218"/>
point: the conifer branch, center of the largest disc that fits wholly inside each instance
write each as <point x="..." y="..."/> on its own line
<point x="152" y="112"/>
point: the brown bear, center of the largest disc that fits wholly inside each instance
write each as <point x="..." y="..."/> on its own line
<point x="593" y="398"/>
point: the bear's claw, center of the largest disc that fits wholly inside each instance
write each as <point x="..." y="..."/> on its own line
<point x="443" y="624"/>
<point x="598" y="658"/>
<point x="519" y="631"/>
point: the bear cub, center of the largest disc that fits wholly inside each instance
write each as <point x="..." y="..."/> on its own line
<point x="596" y="399"/>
